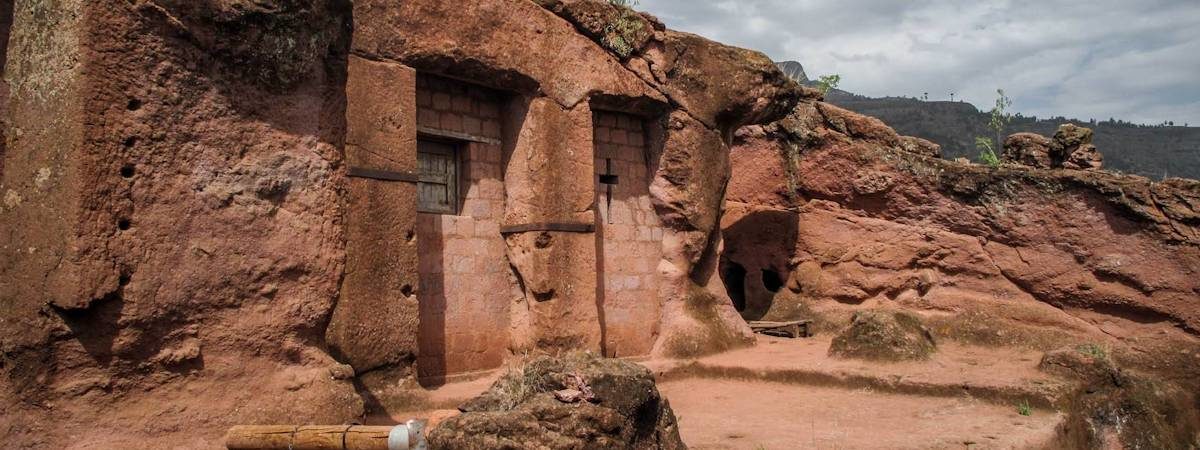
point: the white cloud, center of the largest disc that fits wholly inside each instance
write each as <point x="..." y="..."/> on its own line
<point x="1134" y="60"/>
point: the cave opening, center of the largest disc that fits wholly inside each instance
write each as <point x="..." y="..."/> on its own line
<point x="734" y="276"/>
<point x="771" y="280"/>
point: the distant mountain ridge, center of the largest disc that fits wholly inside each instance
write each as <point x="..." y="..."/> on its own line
<point x="794" y="70"/>
<point x="1150" y="151"/>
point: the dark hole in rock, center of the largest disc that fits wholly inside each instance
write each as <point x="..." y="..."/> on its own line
<point x="734" y="276"/>
<point x="134" y="104"/>
<point x="410" y="236"/>
<point x="542" y="297"/>
<point x="771" y="280"/>
<point x="130" y="141"/>
<point x="124" y="224"/>
<point x="127" y="171"/>
<point x="407" y="290"/>
<point x="544" y="240"/>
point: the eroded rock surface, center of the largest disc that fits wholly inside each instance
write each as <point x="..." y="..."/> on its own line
<point x="1030" y="149"/>
<point x="1073" y="240"/>
<point x="1118" y="408"/>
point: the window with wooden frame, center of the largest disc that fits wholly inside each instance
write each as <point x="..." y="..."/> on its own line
<point x="437" y="189"/>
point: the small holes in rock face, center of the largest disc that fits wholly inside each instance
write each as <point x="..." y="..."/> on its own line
<point x="124" y="224"/>
<point x="130" y="141"/>
<point x="127" y="171"/>
<point x="407" y="290"/>
<point x="134" y="104"/>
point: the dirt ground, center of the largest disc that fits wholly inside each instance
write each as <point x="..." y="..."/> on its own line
<point x="789" y="394"/>
<point x="731" y="414"/>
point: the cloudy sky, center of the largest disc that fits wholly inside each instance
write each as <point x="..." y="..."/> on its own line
<point x="1137" y="60"/>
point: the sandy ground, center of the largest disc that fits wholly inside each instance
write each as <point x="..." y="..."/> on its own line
<point x="789" y="394"/>
<point x="999" y="374"/>
<point x="728" y="414"/>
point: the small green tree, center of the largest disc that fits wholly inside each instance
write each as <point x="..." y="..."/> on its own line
<point x="998" y="121"/>
<point x="827" y="83"/>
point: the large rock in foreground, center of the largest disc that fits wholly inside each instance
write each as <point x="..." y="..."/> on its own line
<point x="572" y="402"/>
<point x="1118" y="408"/>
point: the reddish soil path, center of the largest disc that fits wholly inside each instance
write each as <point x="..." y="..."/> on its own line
<point x="789" y="394"/>
<point x="1002" y="375"/>
<point x="729" y="414"/>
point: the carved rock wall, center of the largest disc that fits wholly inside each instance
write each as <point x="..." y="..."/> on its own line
<point x="173" y="232"/>
<point x="184" y="249"/>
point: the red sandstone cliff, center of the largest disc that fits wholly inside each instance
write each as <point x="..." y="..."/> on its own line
<point x="846" y="217"/>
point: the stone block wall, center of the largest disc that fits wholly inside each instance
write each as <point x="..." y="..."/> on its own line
<point x="630" y="235"/>
<point x="465" y="284"/>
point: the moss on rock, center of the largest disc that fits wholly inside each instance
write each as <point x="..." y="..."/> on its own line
<point x="884" y="336"/>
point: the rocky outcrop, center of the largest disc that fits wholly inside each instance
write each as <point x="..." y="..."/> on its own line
<point x="1147" y="150"/>
<point x="1118" y="408"/>
<point x="1071" y="148"/>
<point x="1029" y="149"/>
<point x="878" y="224"/>
<point x="1070" y="137"/>
<point x="1086" y="157"/>
<point x="884" y="336"/>
<point x="920" y="147"/>
<point x="577" y="401"/>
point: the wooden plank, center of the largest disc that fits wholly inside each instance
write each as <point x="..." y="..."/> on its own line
<point x="456" y="135"/>
<point x="551" y="226"/>
<point x="795" y="328"/>
<point x="382" y="175"/>
<point x="764" y="324"/>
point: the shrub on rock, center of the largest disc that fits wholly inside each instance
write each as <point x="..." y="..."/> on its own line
<point x="884" y="336"/>
<point x="572" y="402"/>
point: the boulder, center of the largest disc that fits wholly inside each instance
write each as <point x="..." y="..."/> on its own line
<point x="1116" y="408"/>
<point x="1029" y="149"/>
<point x="858" y="126"/>
<point x="1069" y="138"/>
<point x="884" y="336"/>
<point x="920" y="146"/>
<point x="570" y="402"/>
<point x="1086" y="157"/>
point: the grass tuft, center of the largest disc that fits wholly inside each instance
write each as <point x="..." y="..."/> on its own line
<point x="1095" y="351"/>
<point x="1024" y="409"/>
